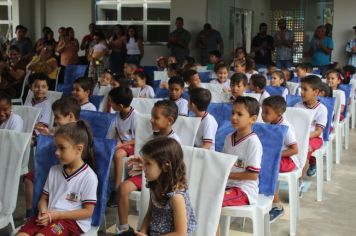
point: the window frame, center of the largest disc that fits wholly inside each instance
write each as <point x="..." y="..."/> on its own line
<point x="9" y="21"/>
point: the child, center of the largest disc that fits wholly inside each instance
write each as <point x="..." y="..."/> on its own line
<point x="222" y="72"/>
<point x="105" y="80"/>
<point x="288" y="75"/>
<point x="39" y="86"/>
<point x="238" y="83"/>
<point x="170" y="210"/>
<point x="199" y="100"/>
<point x="123" y="130"/>
<point x="176" y="90"/>
<point x="164" y="115"/>
<point x="325" y="90"/>
<point x="334" y="79"/>
<point x="310" y="87"/>
<point x="270" y="68"/>
<point x="171" y="60"/>
<point x="119" y="81"/>
<point x="82" y="89"/>
<point x="161" y="64"/>
<point x="240" y="66"/>
<point x="8" y="119"/>
<point x="191" y="77"/>
<point x="214" y="58"/>
<point x="272" y="112"/>
<point x="173" y="71"/>
<point x="69" y="194"/>
<point x="257" y="85"/>
<point x="242" y="185"/>
<point x="140" y="81"/>
<point x="278" y="80"/>
<point x="303" y="69"/>
<point x="129" y="69"/>
<point x="250" y="68"/>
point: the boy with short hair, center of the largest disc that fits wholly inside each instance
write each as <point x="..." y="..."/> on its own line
<point x="191" y="77"/>
<point x="123" y="130"/>
<point x="199" y="100"/>
<point x="8" y="119"/>
<point x="214" y="58"/>
<point x="176" y="90"/>
<point x="238" y="84"/>
<point x="310" y="88"/>
<point x="82" y="89"/>
<point x="272" y="112"/>
<point x="242" y="185"/>
<point x="303" y="69"/>
<point x="257" y="85"/>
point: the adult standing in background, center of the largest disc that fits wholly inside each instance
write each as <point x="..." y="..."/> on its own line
<point x="283" y="41"/>
<point x="351" y="50"/>
<point x="134" y="46"/>
<point x="117" y="45"/>
<point x="262" y="47"/>
<point x="23" y="42"/>
<point x="320" y="49"/>
<point x="68" y="48"/>
<point x="179" y="40"/>
<point x="88" y="41"/>
<point x="209" y="40"/>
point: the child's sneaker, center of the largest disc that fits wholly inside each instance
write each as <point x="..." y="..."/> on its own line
<point x="275" y="213"/>
<point x="311" y="170"/>
<point x="129" y="232"/>
<point x="112" y="202"/>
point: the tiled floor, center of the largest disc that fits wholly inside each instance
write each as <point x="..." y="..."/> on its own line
<point x="335" y="215"/>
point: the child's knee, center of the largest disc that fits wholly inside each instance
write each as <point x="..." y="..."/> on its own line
<point x="40" y="235"/>
<point x="126" y="188"/>
<point x="22" y="234"/>
<point x="120" y="154"/>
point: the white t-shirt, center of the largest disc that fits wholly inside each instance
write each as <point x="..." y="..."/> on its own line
<point x="320" y="117"/>
<point x="69" y="192"/>
<point x="132" y="47"/>
<point x="248" y="151"/>
<point x="225" y="85"/>
<point x="264" y="95"/>
<point x="88" y="107"/>
<point x="146" y="92"/>
<point x="14" y="122"/>
<point x="206" y="131"/>
<point x="182" y="106"/>
<point x="46" y="110"/>
<point x="123" y="128"/>
<point x="172" y="135"/>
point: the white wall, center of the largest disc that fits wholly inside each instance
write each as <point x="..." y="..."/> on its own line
<point x="344" y="20"/>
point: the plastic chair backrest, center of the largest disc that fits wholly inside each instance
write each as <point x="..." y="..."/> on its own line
<point x="213" y="87"/>
<point x="144" y="105"/>
<point x="295" y="80"/>
<point x="99" y="122"/>
<point x="45" y="159"/>
<point x="51" y="95"/>
<point x="256" y="96"/>
<point x="292" y="87"/>
<point x="347" y="90"/>
<point x="135" y="92"/>
<point x="73" y="72"/>
<point x="300" y="119"/>
<point x="337" y="108"/>
<point x="12" y="145"/>
<point x="160" y="75"/>
<point x="57" y="77"/>
<point x="221" y="112"/>
<point x="96" y="100"/>
<point x="207" y="174"/>
<point x="104" y="90"/>
<point x="204" y="76"/>
<point x="202" y="69"/>
<point x="29" y="116"/>
<point x="164" y="93"/>
<point x="275" y="90"/>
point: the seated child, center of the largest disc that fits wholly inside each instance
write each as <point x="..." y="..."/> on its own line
<point x="222" y="72"/>
<point x="250" y="67"/>
<point x="161" y="64"/>
<point x="191" y="77"/>
<point x="272" y="113"/>
<point x="176" y="90"/>
<point x="82" y="89"/>
<point x="189" y="64"/>
<point x="170" y="211"/>
<point x="303" y="69"/>
<point x="278" y="80"/>
<point x="238" y="84"/>
<point x="270" y="68"/>
<point x="199" y="100"/>
<point x="129" y="69"/>
<point x="39" y="86"/>
<point x="288" y="75"/>
<point x="242" y="185"/>
<point x="116" y="81"/>
<point x="105" y="80"/>
<point x="257" y="84"/>
<point x="214" y="58"/>
<point x="140" y="81"/>
<point x="123" y="130"/>
<point x="67" y="207"/>
<point x="172" y="71"/>
<point x="240" y="66"/>
<point x="310" y="87"/>
<point x="325" y="90"/>
<point x="334" y="79"/>
<point x="164" y="115"/>
<point x="8" y="119"/>
<point x="171" y="60"/>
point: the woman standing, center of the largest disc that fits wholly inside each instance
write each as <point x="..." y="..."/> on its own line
<point x="134" y="47"/>
<point x="117" y="45"/>
<point x="98" y="56"/>
<point x="68" y="48"/>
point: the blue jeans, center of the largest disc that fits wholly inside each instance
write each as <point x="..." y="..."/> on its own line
<point x="281" y="64"/>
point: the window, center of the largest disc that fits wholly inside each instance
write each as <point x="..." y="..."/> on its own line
<point x="152" y="17"/>
<point x="5" y="19"/>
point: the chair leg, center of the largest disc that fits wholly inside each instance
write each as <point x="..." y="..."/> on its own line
<point x="329" y="160"/>
<point x="347" y="133"/>
<point x="267" y="225"/>
<point x="258" y="223"/>
<point x="337" y="145"/>
<point x="353" y="115"/>
<point x="319" y="175"/>
<point x="293" y="204"/>
<point x="225" y="225"/>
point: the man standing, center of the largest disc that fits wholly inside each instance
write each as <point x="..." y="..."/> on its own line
<point x="22" y="42"/>
<point x="351" y="50"/>
<point x="209" y="40"/>
<point x="283" y="40"/>
<point x="179" y="40"/>
<point x="262" y="46"/>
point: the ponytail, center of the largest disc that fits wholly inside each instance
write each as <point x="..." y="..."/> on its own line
<point x="89" y="154"/>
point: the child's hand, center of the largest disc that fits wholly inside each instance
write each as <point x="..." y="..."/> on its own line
<point x="43" y="218"/>
<point x="120" y="145"/>
<point x="226" y="90"/>
<point x="136" y="166"/>
<point x="43" y="130"/>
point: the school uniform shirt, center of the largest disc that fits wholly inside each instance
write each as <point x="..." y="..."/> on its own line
<point x="249" y="74"/>
<point x="225" y="85"/>
<point x="320" y="117"/>
<point x="146" y="92"/>
<point x="182" y="106"/>
<point x="14" y="122"/>
<point x="69" y="192"/>
<point x="285" y="93"/>
<point x="46" y="110"/>
<point x="206" y="131"/>
<point x="264" y="95"/>
<point x="123" y="128"/>
<point x="88" y="107"/>
<point x="172" y="135"/>
<point x="248" y="152"/>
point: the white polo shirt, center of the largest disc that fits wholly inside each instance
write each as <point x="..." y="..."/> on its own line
<point x="146" y="92"/>
<point x="123" y="128"/>
<point x="88" y="107"/>
<point x="320" y="117"/>
<point x="172" y="135"/>
<point x="206" y="131"/>
<point x="69" y="192"/>
<point x="248" y="152"/>
<point x="14" y="122"/>
<point x="182" y="106"/>
<point x="46" y="110"/>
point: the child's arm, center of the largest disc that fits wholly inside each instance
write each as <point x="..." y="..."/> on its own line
<point x="206" y="145"/>
<point x="86" y="212"/>
<point x="42" y="218"/>
<point x="292" y="150"/>
<point x="179" y="216"/>
<point x="120" y="145"/>
<point x="147" y="220"/>
<point x="342" y="108"/>
<point x="246" y="175"/>
<point x="316" y="133"/>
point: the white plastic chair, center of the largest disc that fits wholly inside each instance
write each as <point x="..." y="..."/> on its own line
<point x="135" y="92"/>
<point x="300" y="119"/>
<point x="144" y="105"/>
<point x="348" y="116"/>
<point x="202" y="69"/>
<point x="25" y="82"/>
<point x="57" y="77"/>
<point x="160" y="75"/>
<point x="336" y="134"/>
<point x="213" y="87"/>
<point x="292" y="87"/>
<point x="12" y="145"/>
<point x="353" y="104"/>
